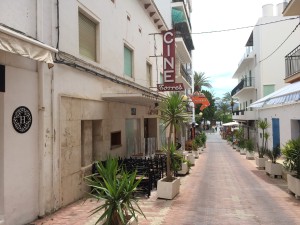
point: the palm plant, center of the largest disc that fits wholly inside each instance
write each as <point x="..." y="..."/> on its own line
<point x="291" y="151"/>
<point x="200" y="80"/>
<point x="173" y="115"/>
<point x="263" y="125"/>
<point x="116" y="187"/>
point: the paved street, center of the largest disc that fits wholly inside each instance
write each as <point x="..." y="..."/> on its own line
<point x="222" y="188"/>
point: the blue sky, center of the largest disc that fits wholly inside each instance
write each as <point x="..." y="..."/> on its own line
<point x="218" y="54"/>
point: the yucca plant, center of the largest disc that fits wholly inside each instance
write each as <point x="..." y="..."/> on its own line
<point x="274" y="154"/>
<point x="115" y="188"/>
<point x="173" y="115"/>
<point x="263" y="125"/>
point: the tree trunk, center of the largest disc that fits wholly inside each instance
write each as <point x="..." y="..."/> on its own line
<point x="169" y="175"/>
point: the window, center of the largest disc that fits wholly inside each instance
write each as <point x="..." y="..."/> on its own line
<point x="115" y="139"/>
<point x="268" y="89"/>
<point x="87" y="37"/>
<point x="91" y="136"/>
<point x="128" y="61"/>
<point x="149" y="75"/>
<point x="161" y="78"/>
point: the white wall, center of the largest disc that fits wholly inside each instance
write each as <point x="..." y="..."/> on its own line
<point x="286" y="115"/>
<point x="115" y="31"/>
<point x="1" y="156"/>
<point x="21" y="164"/>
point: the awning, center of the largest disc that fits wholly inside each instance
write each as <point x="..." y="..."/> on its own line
<point x="285" y="95"/>
<point x="230" y="124"/>
<point x="14" y="42"/>
<point x="132" y="98"/>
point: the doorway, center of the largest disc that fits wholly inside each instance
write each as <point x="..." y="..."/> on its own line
<point x="276" y="132"/>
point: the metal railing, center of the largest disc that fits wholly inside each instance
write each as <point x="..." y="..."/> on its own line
<point x="246" y="82"/>
<point x="185" y="74"/>
<point x="292" y="62"/>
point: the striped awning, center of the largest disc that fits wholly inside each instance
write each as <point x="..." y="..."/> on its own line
<point x="286" y="95"/>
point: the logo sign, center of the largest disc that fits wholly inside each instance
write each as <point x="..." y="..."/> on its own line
<point x="169" y="63"/>
<point x="22" y="119"/>
<point x="170" y="87"/>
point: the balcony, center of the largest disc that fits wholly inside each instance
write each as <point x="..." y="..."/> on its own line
<point x="182" y="31"/>
<point x="181" y="51"/>
<point x="183" y="77"/>
<point x="246" y="59"/>
<point x="243" y="115"/>
<point x="292" y="9"/>
<point x="292" y="66"/>
<point x="245" y="83"/>
<point x="180" y="12"/>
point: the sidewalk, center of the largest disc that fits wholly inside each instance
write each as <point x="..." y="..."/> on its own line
<point x="223" y="188"/>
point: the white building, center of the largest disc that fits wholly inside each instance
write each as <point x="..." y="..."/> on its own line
<point x="98" y="99"/>
<point x="261" y="69"/>
<point x="281" y="108"/>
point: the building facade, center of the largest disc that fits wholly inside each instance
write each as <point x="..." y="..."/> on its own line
<point x="88" y="90"/>
<point x="281" y="108"/>
<point x="261" y="69"/>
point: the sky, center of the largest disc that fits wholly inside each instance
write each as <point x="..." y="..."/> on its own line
<point x="218" y="54"/>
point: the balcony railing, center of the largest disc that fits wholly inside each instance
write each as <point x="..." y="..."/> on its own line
<point x="246" y="82"/>
<point x="238" y="112"/>
<point x="185" y="74"/>
<point x="182" y="30"/>
<point x="184" y="4"/>
<point x="292" y="62"/>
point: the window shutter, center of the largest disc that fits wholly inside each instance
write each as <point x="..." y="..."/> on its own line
<point x="127" y="62"/>
<point x="87" y="37"/>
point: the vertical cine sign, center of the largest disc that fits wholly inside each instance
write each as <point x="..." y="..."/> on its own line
<point x="169" y="56"/>
<point x="169" y="63"/>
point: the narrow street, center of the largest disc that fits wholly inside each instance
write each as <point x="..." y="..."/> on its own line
<point x="222" y="188"/>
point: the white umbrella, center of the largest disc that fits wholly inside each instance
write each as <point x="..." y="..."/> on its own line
<point x="234" y="123"/>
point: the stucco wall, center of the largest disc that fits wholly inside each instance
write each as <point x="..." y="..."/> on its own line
<point x="288" y="115"/>
<point x="21" y="164"/>
<point x="115" y="30"/>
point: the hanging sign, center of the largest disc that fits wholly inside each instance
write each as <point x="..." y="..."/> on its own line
<point x="22" y="119"/>
<point x="169" y="63"/>
<point x="199" y="98"/>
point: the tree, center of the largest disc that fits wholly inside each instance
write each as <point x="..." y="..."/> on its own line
<point x="224" y="110"/>
<point x="200" y="80"/>
<point x="173" y="115"/>
<point x="209" y="112"/>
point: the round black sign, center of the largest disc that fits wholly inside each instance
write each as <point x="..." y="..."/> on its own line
<point x="22" y="119"/>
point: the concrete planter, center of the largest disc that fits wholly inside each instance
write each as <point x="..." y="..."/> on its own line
<point x="242" y="151"/>
<point x="273" y="169"/>
<point x="294" y="185"/>
<point x="191" y="158"/>
<point x="184" y="169"/>
<point x="196" y="154"/>
<point x="260" y="162"/>
<point x="168" y="190"/>
<point x="249" y="155"/>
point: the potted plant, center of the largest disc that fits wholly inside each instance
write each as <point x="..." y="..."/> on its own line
<point x="273" y="168"/>
<point x="195" y="149"/>
<point x="249" y="149"/>
<point x="260" y="160"/>
<point x="116" y="187"/>
<point x="173" y="115"/>
<point x="241" y="141"/>
<point x="203" y="138"/>
<point x="199" y="142"/>
<point x="291" y="151"/>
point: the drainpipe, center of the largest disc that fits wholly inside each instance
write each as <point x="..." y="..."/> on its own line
<point x="41" y="109"/>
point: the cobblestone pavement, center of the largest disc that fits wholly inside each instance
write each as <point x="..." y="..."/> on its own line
<point x="223" y="188"/>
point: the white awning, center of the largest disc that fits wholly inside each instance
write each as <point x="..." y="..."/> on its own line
<point x="132" y="98"/>
<point x="13" y="42"/>
<point x="285" y="95"/>
<point x="230" y="124"/>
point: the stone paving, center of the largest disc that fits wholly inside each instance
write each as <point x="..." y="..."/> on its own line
<point x="223" y="188"/>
